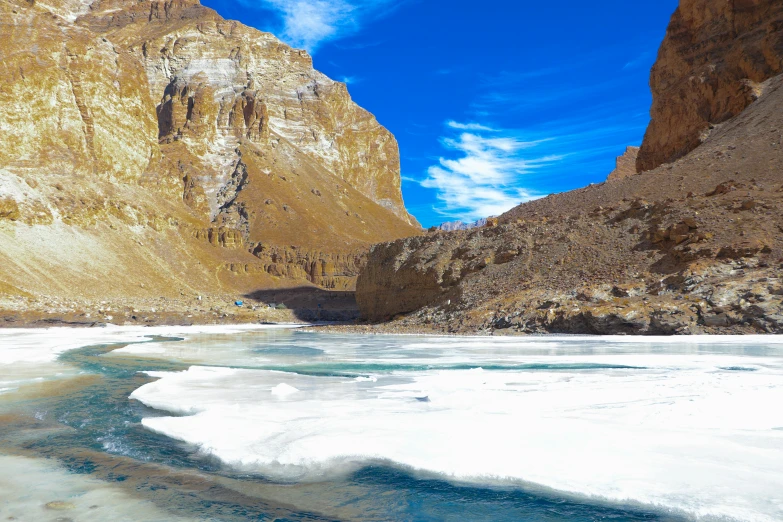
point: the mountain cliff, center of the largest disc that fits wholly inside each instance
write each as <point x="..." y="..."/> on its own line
<point x="692" y="246"/>
<point x="710" y="66"/>
<point x="151" y="148"/>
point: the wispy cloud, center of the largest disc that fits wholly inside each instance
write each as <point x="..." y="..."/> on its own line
<point x="485" y="175"/>
<point x="350" y="80"/>
<point x="310" y="23"/>
<point x="642" y="60"/>
<point x="355" y="46"/>
<point x="469" y="126"/>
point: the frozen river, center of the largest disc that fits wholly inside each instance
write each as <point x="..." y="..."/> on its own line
<point x="265" y="423"/>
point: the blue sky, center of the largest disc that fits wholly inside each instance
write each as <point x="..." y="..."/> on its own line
<point x="493" y="102"/>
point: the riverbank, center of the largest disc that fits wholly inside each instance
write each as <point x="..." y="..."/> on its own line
<point x="293" y="305"/>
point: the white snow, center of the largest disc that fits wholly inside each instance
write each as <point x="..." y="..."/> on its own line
<point x="34" y="345"/>
<point x="284" y="390"/>
<point x="688" y="430"/>
<point x="27" y="355"/>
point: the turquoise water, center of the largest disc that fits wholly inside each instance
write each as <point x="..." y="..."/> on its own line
<point x="94" y="429"/>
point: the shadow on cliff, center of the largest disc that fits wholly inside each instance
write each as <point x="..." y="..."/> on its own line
<point x="311" y="303"/>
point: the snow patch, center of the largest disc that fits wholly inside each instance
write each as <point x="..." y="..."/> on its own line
<point x="284" y="390"/>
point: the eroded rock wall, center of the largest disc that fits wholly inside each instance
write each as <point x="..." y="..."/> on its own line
<point x="170" y="143"/>
<point x="710" y="67"/>
<point x="626" y="164"/>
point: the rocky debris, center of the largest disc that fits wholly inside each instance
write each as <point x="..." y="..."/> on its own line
<point x="451" y="226"/>
<point x="711" y="66"/>
<point x="691" y="247"/>
<point x="626" y="164"/>
<point x="302" y="304"/>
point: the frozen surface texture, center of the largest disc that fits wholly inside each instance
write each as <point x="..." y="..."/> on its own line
<point x="688" y="427"/>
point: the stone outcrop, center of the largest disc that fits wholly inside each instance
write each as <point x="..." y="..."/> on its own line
<point x="626" y="164"/>
<point x="713" y="60"/>
<point x="154" y="143"/>
<point x="691" y="247"/>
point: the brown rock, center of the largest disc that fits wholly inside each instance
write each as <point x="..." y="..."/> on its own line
<point x="713" y="59"/>
<point x="156" y="144"/>
<point x="691" y="223"/>
<point x="723" y="188"/>
<point x="626" y="164"/>
<point x="9" y="209"/>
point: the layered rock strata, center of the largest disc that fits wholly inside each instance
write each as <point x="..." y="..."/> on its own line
<point x="151" y="146"/>
<point x="710" y="67"/>
<point x="626" y="164"/>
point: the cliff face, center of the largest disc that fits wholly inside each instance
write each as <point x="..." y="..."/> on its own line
<point x="156" y="140"/>
<point x="714" y="57"/>
<point x="693" y="246"/>
<point x="626" y="164"/>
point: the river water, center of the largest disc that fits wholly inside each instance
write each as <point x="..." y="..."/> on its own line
<point x="276" y="423"/>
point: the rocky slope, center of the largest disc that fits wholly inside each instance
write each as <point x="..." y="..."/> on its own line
<point x="451" y="226"/>
<point x="692" y="246"/>
<point x="151" y="148"/>
<point x="709" y="69"/>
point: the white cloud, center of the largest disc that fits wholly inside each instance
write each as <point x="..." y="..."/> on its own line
<point x="309" y="23"/>
<point x="348" y="80"/>
<point x="469" y="126"/>
<point x="485" y="178"/>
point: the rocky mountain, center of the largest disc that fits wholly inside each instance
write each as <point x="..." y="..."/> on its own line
<point x="694" y="245"/>
<point x="710" y="66"/>
<point x="152" y="149"/>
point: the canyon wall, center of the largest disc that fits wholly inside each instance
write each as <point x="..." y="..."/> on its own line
<point x="152" y="144"/>
<point x="710" y="67"/>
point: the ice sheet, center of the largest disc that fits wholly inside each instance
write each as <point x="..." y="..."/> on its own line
<point x="691" y="432"/>
<point x="45" y="344"/>
<point x="27" y="355"/>
<point x="28" y="485"/>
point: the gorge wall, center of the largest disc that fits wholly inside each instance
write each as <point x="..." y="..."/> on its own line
<point x="153" y="148"/>
<point x="714" y="57"/>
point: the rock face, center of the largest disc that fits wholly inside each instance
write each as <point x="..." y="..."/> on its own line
<point x="626" y="164"/>
<point x="157" y="141"/>
<point x="691" y="247"/>
<point x="714" y="57"/>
